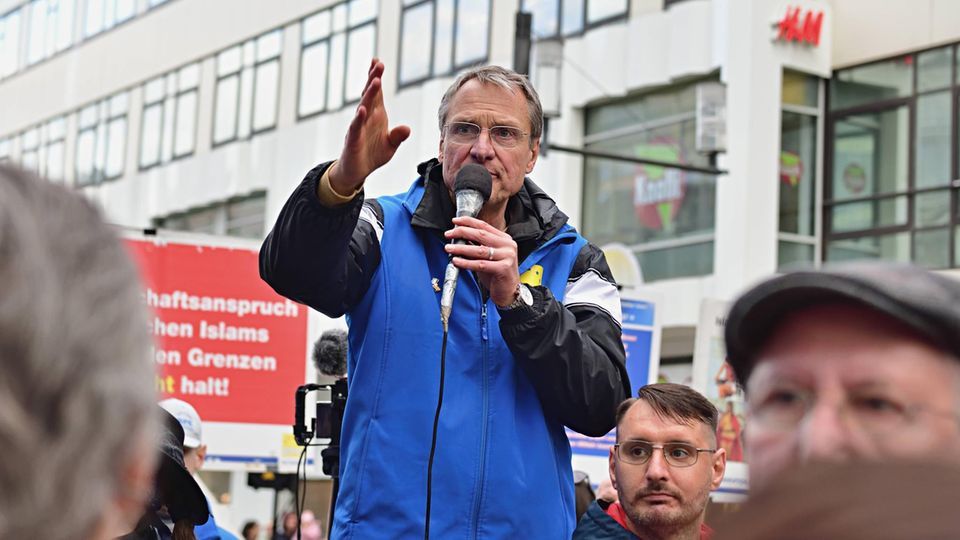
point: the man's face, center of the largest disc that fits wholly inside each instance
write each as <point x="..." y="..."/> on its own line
<point x="488" y="105"/>
<point x="839" y="382"/>
<point x="657" y="495"/>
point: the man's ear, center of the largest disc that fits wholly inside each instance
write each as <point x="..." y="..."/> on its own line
<point x="202" y="453"/>
<point x="719" y="468"/>
<point x="535" y="153"/>
<point x="613" y="468"/>
<point x="440" y="150"/>
<point x="134" y="489"/>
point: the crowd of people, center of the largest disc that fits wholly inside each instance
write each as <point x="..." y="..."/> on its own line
<point x="851" y="373"/>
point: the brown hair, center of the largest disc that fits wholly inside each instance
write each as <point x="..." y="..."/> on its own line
<point x="674" y="401"/>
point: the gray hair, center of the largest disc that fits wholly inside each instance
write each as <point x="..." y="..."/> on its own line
<point x="77" y="388"/>
<point x="506" y="79"/>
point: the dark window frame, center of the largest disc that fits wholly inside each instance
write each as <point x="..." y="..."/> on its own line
<point x="911" y="192"/>
<point x="432" y="73"/>
<point x="586" y="25"/>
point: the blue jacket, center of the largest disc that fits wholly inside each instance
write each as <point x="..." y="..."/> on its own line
<point x="512" y="379"/>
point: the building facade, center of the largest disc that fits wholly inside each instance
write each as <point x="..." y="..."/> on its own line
<point x="833" y="124"/>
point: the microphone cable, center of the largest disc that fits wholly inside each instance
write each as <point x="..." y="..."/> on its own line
<point x="433" y="438"/>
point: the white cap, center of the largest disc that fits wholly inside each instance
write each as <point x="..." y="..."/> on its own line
<point x="188" y="418"/>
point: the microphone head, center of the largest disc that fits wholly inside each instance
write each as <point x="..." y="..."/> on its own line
<point x="330" y="353"/>
<point x="474" y="177"/>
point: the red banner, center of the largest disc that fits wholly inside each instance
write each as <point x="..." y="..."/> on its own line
<point x="224" y="341"/>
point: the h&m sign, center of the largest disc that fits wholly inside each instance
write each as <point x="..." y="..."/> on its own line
<point x="799" y="25"/>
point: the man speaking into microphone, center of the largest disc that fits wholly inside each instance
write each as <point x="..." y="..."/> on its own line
<point x="533" y="341"/>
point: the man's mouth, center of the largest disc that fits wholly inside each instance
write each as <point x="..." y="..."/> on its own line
<point x="657" y="497"/>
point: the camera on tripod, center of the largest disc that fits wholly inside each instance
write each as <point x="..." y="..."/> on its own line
<point x="328" y="419"/>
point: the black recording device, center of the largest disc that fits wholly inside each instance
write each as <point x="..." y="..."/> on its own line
<point x="330" y="359"/>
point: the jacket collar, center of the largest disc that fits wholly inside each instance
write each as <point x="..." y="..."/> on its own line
<point x="532" y="216"/>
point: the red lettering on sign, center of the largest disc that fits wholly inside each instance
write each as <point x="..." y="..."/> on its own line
<point x="791" y="28"/>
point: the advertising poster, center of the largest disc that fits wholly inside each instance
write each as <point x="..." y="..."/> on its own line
<point x="641" y="341"/>
<point x="224" y="342"/>
<point x="713" y="377"/>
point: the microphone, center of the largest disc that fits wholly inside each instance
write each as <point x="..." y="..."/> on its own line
<point x="330" y="353"/>
<point x="472" y="189"/>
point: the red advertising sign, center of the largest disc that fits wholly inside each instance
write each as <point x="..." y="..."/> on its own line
<point x="800" y="26"/>
<point x="224" y="341"/>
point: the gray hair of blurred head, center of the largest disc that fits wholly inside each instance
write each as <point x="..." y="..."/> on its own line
<point x="76" y="381"/>
<point x="506" y="79"/>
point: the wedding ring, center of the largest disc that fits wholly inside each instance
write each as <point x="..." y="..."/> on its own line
<point x="489" y="253"/>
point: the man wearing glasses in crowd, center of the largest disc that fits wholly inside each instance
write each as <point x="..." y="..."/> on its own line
<point x="525" y="357"/>
<point x="853" y="362"/>
<point x="664" y="465"/>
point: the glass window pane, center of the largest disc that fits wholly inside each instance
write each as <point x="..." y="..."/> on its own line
<point x="931" y="209"/>
<point x="546" y="16"/>
<point x="313" y="78"/>
<point x="793" y="254"/>
<point x="228" y="61"/>
<point x="315" y="27"/>
<point x="54" y="166"/>
<point x="798" y="162"/>
<point x="473" y="28"/>
<point x="225" y="116"/>
<point x="800" y="89"/>
<point x="118" y="104"/>
<point x="188" y="77"/>
<point x="362" y="11"/>
<point x="932" y="144"/>
<point x="933" y="69"/>
<point x="265" y="105"/>
<point x="339" y="17"/>
<point x="36" y="36"/>
<point x="571" y="18"/>
<point x="93" y="21"/>
<point x="245" y="109"/>
<point x="870" y="154"/>
<point x="598" y="10"/>
<point x="417" y="26"/>
<point x="9" y="43"/>
<point x="64" y="28"/>
<point x="116" y="143"/>
<point x="153" y="91"/>
<point x="859" y="216"/>
<point x="86" y="147"/>
<point x="891" y="247"/>
<point x="873" y="82"/>
<point x="360" y="47"/>
<point x="4" y="150"/>
<point x="151" y="128"/>
<point x="932" y="248"/>
<point x="443" y="44"/>
<point x="338" y="50"/>
<point x="125" y="9"/>
<point x="268" y="45"/>
<point x="30" y="161"/>
<point x="186" y="124"/>
<point x="679" y="261"/>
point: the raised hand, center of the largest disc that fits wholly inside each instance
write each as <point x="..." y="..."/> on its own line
<point x="370" y="142"/>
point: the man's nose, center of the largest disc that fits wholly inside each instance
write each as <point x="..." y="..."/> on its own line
<point x="482" y="149"/>
<point x="658" y="469"/>
<point x="825" y="435"/>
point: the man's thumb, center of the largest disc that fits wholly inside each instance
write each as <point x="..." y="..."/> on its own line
<point x="398" y="135"/>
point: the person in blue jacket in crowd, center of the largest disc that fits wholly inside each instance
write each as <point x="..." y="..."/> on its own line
<point x="534" y="340"/>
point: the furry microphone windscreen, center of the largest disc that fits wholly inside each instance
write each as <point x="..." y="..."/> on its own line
<point x="330" y="353"/>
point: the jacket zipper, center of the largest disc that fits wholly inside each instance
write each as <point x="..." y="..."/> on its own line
<point x="481" y="476"/>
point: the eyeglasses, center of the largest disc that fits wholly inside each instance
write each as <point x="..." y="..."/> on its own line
<point x="676" y="454"/>
<point x="467" y="133"/>
<point x="872" y="411"/>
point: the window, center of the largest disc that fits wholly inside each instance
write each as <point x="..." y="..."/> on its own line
<point x="101" y="140"/>
<point x="553" y="18"/>
<point x="798" y="175"/>
<point x="237" y="217"/>
<point x="105" y="14"/>
<point x="53" y="138"/>
<point x="338" y="44"/>
<point x="51" y="28"/>
<point x="4" y="149"/>
<point x="439" y="37"/>
<point x="892" y="153"/>
<point x="248" y="81"/>
<point x="9" y="43"/>
<point x="665" y="216"/>
<point x="30" y="150"/>
<point x="169" y="121"/>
